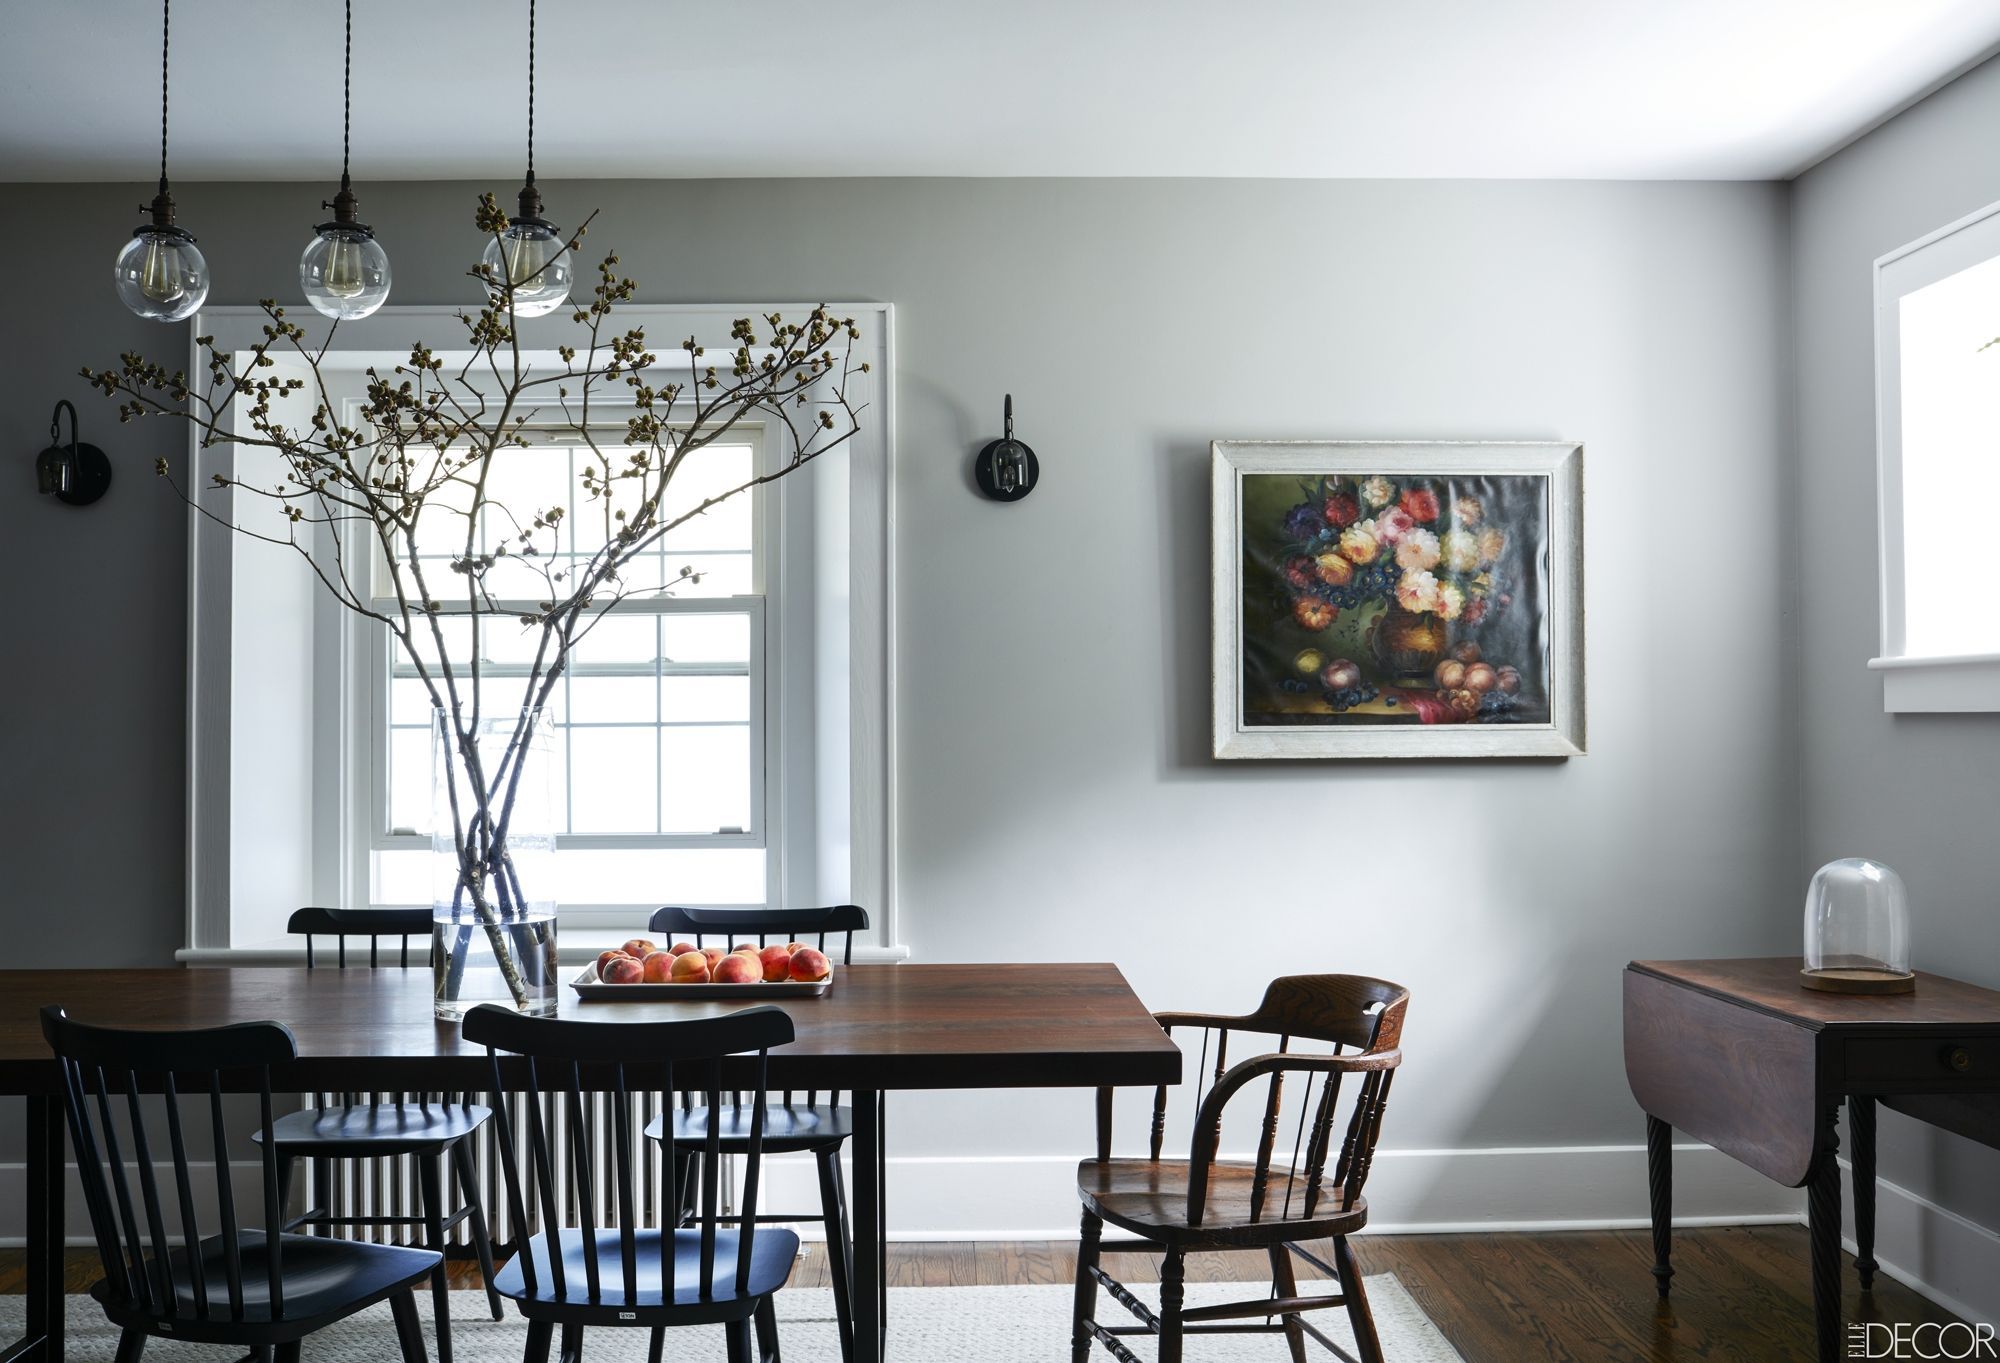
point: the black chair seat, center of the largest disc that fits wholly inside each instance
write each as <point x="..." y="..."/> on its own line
<point x="324" y="1279"/>
<point x="368" y="1129"/>
<point x="787" y="1130"/>
<point x="771" y="1257"/>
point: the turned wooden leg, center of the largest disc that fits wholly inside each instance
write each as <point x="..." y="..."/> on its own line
<point x="1359" y="1317"/>
<point x="1085" y="1309"/>
<point x="1861" y="1126"/>
<point x="1660" y="1183"/>
<point x="1286" y="1282"/>
<point x="1823" y="1215"/>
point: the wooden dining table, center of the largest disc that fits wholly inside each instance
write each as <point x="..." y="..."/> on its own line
<point x="879" y="1029"/>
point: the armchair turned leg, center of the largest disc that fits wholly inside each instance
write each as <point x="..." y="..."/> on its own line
<point x="1359" y="1316"/>
<point x="1173" y="1298"/>
<point x="1660" y="1182"/>
<point x="1085" y="1310"/>
<point x="1286" y="1283"/>
<point x="1861" y="1125"/>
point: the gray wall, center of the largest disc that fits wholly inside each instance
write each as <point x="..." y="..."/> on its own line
<point x="1133" y="321"/>
<point x="1917" y="791"/>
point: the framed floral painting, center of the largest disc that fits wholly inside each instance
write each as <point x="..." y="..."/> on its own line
<point x="1398" y="599"/>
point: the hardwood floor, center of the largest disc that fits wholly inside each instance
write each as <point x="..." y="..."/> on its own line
<point x="1741" y="1295"/>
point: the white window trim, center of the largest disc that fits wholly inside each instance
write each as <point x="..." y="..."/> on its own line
<point x="1914" y="683"/>
<point x="864" y="500"/>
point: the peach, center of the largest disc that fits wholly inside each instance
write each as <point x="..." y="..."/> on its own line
<point x="681" y="948"/>
<point x="736" y="968"/>
<point x="659" y="966"/>
<point x="638" y="948"/>
<point x="623" y="970"/>
<point x="1481" y="677"/>
<point x="809" y="964"/>
<point x="1510" y="680"/>
<point x="1467" y="653"/>
<point x="746" y="949"/>
<point x="713" y="955"/>
<point x="1449" y="675"/>
<point x="777" y="964"/>
<point x="690" y="967"/>
<point x="795" y="946"/>
<point x="605" y="958"/>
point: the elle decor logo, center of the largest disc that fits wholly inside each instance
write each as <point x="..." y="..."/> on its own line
<point x="1957" y="1340"/>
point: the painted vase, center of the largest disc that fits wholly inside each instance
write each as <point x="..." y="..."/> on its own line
<point x="1408" y="643"/>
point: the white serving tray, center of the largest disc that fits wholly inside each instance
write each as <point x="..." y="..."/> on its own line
<point x="591" y="989"/>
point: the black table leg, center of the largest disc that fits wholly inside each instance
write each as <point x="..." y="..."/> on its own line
<point x="1823" y="1218"/>
<point x="869" y="1270"/>
<point x="43" y="1340"/>
<point x="1660" y="1182"/>
<point x="1861" y="1126"/>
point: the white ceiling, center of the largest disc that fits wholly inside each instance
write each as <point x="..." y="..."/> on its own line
<point x="1625" y="89"/>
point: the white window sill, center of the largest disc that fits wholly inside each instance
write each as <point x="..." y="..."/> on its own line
<point x="574" y="946"/>
<point x="1966" y="683"/>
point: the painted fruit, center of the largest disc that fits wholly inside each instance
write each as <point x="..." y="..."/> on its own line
<point x="1450" y="675"/>
<point x="1481" y="677"/>
<point x="1467" y="652"/>
<point x="810" y="964"/>
<point x="1510" y="680"/>
<point x="1342" y="674"/>
<point x="690" y="967"/>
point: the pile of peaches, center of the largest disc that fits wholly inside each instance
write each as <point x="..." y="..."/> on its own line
<point x="639" y="961"/>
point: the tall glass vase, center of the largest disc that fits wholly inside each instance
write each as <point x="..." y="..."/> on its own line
<point x="493" y="843"/>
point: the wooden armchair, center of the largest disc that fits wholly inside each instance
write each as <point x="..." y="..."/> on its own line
<point x="1174" y="1207"/>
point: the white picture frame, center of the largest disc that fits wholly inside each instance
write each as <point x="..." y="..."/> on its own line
<point x="1402" y="719"/>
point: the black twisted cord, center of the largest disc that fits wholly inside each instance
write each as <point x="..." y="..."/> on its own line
<point x="347" y="98"/>
<point x="531" y="91"/>
<point x="166" y="33"/>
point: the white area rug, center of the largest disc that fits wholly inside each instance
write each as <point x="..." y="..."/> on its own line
<point x="926" y="1325"/>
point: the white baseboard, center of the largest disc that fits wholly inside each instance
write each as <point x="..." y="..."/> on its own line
<point x="1953" y="1261"/>
<point x="1033" y="1197"/>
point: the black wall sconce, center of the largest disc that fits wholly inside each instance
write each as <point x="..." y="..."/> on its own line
<point x="1006" y="469"/>
<point x="75" y="473"/>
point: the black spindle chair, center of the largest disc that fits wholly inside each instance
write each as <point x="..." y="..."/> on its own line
<point x="623" y="1273"/>
<point x="426" y="1127"/>
<point x="1202" y="1203"/>
<point x="819" y="1125"/>
<point x="204" y="1278"/>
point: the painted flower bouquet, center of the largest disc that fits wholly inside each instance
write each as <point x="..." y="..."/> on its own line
<point x="1425" y="566"/>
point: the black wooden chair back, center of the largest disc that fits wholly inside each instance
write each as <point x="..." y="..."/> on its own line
<point x="374" y="924"/>
<point x="841" y="921"/>
<point x="564" y="1059"/>
<point x="1362" y="1019"/>
<point x="105" y="1073"/>
<point x="767" y="925"/>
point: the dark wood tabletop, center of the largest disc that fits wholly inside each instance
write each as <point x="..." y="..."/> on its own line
<point x="879" y="1027"/>
<point x="1771" y="985"/>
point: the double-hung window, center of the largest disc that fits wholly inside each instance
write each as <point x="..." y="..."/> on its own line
<point x="1937" y="371"/>
<point x="659" y="718"/>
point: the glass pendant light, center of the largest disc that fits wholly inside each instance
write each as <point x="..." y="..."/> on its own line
<point x="529" y="254"/>
<point x="160" y="274"/>
<point x="345" y="271"/>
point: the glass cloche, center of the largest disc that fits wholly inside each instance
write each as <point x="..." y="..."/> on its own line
<point x="1857" y="929"/>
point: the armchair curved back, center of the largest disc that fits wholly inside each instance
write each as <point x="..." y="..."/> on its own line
<point x="1361" y="1018"/>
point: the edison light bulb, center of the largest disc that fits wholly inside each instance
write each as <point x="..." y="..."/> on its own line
<point x="531" y="256"/>
<point x="345" y="271"/>
<point x="161" y="275"/>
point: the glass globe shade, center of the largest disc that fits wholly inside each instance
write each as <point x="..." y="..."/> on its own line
<point x="161" y="275"/>
<point x="1857" y="927"/>
<point x="531" y="256"/>
<point x="344" y="272"/>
